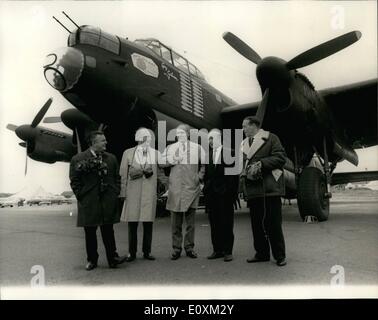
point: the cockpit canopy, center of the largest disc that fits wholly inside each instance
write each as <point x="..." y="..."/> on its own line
<point x="170" y="56"/>
<point x="95" y="37"/>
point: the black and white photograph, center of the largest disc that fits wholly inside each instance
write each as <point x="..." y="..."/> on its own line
<point x="191" y="150"/>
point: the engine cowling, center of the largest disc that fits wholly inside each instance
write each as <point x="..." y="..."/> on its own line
<point x="45" y="154"/>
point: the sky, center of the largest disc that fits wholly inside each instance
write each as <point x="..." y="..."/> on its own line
<point x="194" y="29"/>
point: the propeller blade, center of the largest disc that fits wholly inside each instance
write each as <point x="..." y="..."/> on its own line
<point x="245" y="50"/>
<point x="262" y="108"/>
<point x="78" y="141"/>
<point x="26" y="159"/>
<point x="38" y="118"/>
<point x="11" y="127"/>
<point x="52" y="120"/>
<point x="323" y="50"/>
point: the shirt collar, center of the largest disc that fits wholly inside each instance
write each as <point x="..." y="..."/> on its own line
<point x="93" y="152"/>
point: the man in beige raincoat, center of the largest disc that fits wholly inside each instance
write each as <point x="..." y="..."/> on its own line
<point x="185" y="158"/>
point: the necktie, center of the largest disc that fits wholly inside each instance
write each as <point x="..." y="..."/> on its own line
<point x="250" y="139"/>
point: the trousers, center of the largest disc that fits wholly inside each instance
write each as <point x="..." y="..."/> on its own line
<point x="107" y="233"/>
<point x="266" y="223"/>
<point x="177" y="219"/>
<point x="133" y="237"/>
<point x="221" y="218"/>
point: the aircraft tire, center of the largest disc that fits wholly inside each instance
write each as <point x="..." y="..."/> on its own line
<point x="311" y="194"/>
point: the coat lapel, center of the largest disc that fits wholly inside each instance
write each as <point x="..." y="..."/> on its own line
<point x="258" y="141"/>
<point x="88" y="154"/>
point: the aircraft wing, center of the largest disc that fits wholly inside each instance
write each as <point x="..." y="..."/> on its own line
<point x="354" y="109"/>
<point x="233" y="115"/>
<point x="346" y="177"/>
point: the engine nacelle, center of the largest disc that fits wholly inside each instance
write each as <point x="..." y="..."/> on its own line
<point x="45" y="154"/>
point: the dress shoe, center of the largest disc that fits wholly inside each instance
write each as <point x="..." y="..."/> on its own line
<point x="254" y="259"/>
<point x="90" y="266"/>
<point x="119" y="259"/>
<point x="191" y="254"/>
<point x="130" y="257"/>
<point x="113" y="265"/>
<point x="215" y="255"/>
<point x="175" y="255"/>
<point x="148" y="257"/>
<point x="281" y="262"/>
<point x="228" y="258"/>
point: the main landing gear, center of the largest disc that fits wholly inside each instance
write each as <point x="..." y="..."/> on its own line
<point x="313" y="185"/>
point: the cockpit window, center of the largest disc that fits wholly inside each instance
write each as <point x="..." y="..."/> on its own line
<point x="180" y="62"/>
<point x="95" y="37"/>
<point x="166" y="54"/>
<point x="170" y="56"/>
<point x="109" y="42"/>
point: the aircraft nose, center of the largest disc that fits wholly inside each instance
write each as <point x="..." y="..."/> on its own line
<point x="25" y="132"/>
<point x="63" y="68"/>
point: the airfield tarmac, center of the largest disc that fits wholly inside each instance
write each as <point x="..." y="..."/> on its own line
<point x="47" y="236"/>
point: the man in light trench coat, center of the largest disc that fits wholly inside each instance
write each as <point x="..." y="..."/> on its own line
<point x="139" y="175"/>
<point x="185" y="158"/>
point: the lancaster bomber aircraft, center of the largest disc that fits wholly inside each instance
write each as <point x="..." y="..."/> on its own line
<point x="119" y="85"/>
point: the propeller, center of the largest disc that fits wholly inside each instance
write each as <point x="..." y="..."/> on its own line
<point x="78" y="141"/>
<point x="304" y="59"/>
<point x="241" y="47"/>
<point x="323" y="50"/>
<point x="26" y="159"/>
<point x="262" y="107"/>
<point x="275" y="72"/>
<point x="27" y="132"/>
<point x="38" y="118"/>
<point x="52" y="120"/>
<point x="11" y="127"/>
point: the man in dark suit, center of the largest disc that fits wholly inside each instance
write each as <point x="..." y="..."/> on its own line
<point x="96" y="184"/>
<point x="220" y="191"/>
<point x="262" y="181"/>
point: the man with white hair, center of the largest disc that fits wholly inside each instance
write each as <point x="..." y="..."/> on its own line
<point x="139" y="173"/>
<point x="220" y="192"/>
<point x="185" y="159"/>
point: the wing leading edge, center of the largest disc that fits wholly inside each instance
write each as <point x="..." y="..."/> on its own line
<point x="354" y="109"/>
